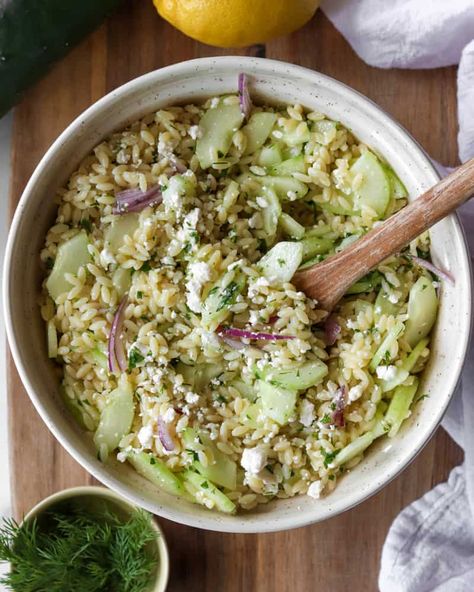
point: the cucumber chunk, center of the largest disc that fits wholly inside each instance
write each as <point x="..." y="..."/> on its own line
<point x="281" y="262"/>
<point x="422" y="310"/>
<point x="71" y="256"/>
<point x="288" y="167"/>
<point x="179" y="186"/>
<point x="221" y="469"/>
<point x="366" y="284"/>
<point x="246" y="390"/>
<point x="269" y="155"/>
<point x="399" y="408"/>
<point x="271" y="213"/>
<point x="220" y="298"/>
<point x="325" y="131"/>
<point x="153" y="469"/>
<point x="303" y="377"/>
<point x="285" y="186"/>
<point x="199" y="375"/>
<point x="295" y="133"/>
<point x="314" y="245"/>
<point x="203" y="489"/>
<point x="257" y="130"/>
<point x="115" y="419"/>
<point x="120" y="227"/>
<point x="374" y="190"/>
<point x="386" y="344"/>
<point x="291" y="227"/>
<point x="277" y="403"/>
<point x="383" y="306"/>
<point x="355" y="448"/>
<point x="121" y="280"/>
<point x="79" y="410"/>
<point x="398" y="189"/>
<point x="217" y="126"/>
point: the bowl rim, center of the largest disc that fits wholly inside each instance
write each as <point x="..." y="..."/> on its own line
<point x="161" y="580"/>
<point x="235" y="63"/>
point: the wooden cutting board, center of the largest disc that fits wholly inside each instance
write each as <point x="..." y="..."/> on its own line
<point x="344" y="552"/>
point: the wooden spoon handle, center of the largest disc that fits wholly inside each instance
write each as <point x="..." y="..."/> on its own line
<point x="329" y="280"/>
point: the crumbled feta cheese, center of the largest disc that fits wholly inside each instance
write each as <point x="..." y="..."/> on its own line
<point x="169" y="415"/>
<point x="122" y="456"/>
<point x="351" y="324"/>
<point x="106" y="258"/>
<point x="192" y="218"/>
<point x="254" y="286"/>
<point x="253" y="460"/>
<point x="198" y="274"/>
<point x="262" y="202"/>
<point x="306" y="412"/>
<point x="315" y="489"/>
<point x="386" y="372"/>
<point x="172" y="199"/>
<point x="145" y="436"/>
<point x="253" y="317"/>
<point x="394" y="297"/>
<point x="355" y="393"/>
<point x="193" y="131"/>
<point x="210" y="339"/>
<point x="214" y="102"/>
<point x="191" y="398"/>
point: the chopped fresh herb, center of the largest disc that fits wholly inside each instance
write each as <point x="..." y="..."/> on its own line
<point x="187" y="247"/>
<point x="146" y="266"/>
<point x="220" y="154"/>
<point x="328" y="456"/>
<point x="326" y="418"/>
<point x="262" y="244"/>
<point x="281" y="262"/>
<point x="221" y="399"/>
<point x="139" y="294"/>
<point x="86" y="224"/>
<point x="331" y="477"/>
<point x="163" y="187"/>
<point x="269" y="468"/>
<point x="193" y="453"/>
<point x="213" y="290"/>
<point x="333" y="406"/>
<point x="205" y="485"/>
<point x="387" y="357"/>
<point x="228" y="295"/>
<point x="49" y="263"/>
<point x="152" y="460"/>
<point x="421" y="397"/>
<point x="134" y="358"/>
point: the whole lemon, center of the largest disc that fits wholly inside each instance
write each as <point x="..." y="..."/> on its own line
<point x="236" y="23"/>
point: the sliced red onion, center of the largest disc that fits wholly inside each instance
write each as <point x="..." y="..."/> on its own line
<point x="134" y="200"/>
<point x="244" y="96"/>
<point x="273" y="319"/>
<point x="331" y="330"/>
<point x="242" y="334"/>
<point x="233" y="343"/>
<point x="165" y="436"/>
<point x="116" y="349"/>
<point x="430" y="267"/>
<point x="340" y="402"/>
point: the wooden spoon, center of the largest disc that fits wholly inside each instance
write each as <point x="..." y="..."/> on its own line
<point x="328" y="281"/>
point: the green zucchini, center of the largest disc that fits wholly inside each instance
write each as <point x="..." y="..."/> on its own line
<point x="33" y="35"/>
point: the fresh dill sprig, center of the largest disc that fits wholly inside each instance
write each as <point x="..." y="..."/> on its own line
<point x="79" y="551"/>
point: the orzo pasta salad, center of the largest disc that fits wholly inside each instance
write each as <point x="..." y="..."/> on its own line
<point x="183" y="346"/>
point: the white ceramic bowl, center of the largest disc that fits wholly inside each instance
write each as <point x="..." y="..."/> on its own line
<point x="271" y="81"/>
<point x="108" y="500"/>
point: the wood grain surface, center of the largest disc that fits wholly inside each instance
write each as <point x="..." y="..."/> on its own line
<point x="344" y="552"/>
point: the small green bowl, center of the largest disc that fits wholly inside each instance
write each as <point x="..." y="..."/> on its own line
<point x="100" y="498"/>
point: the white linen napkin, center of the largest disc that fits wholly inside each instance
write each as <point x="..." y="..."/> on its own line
<point x="430" y="545"/>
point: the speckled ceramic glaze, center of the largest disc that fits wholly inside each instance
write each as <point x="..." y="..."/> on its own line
<point x="111" y="501"/>
<point x="272" y="82"/>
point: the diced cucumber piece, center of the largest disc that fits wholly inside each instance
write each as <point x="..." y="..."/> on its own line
<point x="52" y="339"/>
<point x="288" y="167"/>
<point x="414" y="355"/>
<point x="401" y="374"/>
<point x="120" y="227"/>
<point x="399" y="407"/>
<point x="269" y="155"/>
<point x="403" y="371"/>
<point x="277" y="403"/>
<point x="100" y="357"/>
<point x="201" y="488"/>
<point x="374" y="191"/>
<point x="253" y="415"/>
<point x="271" y="213"/>
<point x="383" y="306"/>
<point x="355" y="448"/>
<point x="199" y="375"/>
<point x="314" y="245"/>
<point x="386" y="344"/>
<point x="246" y="390"/>
<point x="179" y="186"/>
<point x="257" y="130"/>
<point x="399" y="190"/>
<point x="366" y="284"/>
<point x="303" y="377"/>
<point x="336" y="208"/>
<point x="223" y="471"/>
<point x="320" y="230"/>
<point x="71" y="256"/>
<point x="285" y="186"/>
<point x="217" y="126"/>
<point x="281" y="262"/>
<point x="79" y="411"/>
<point x="153" y="469"/>
<point x="291" y="227"/>
<point x="121" y="280"/>
<point x="422" y="310"/>
<point x="347" y="242"/>
<point x="296" y="133"/>
<point x="115" y="419"/>
<point x="325" y="131"/>
<point x="221" y="297"/>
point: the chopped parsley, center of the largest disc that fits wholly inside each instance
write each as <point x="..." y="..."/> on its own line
<point x="146" y="266"/>
<point x="328" y="456"/>
<point x="152" y="460"/>
<point x="193" y="453"/>
<point x="228" y="295"/>
<point x="205" y="485"/>
<point x="86" y="224"/>
<point x="139" y="294"/>
<point x="281" y="262"/>
<point x="134" y="358"/>
<point x="326" y="418"/>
